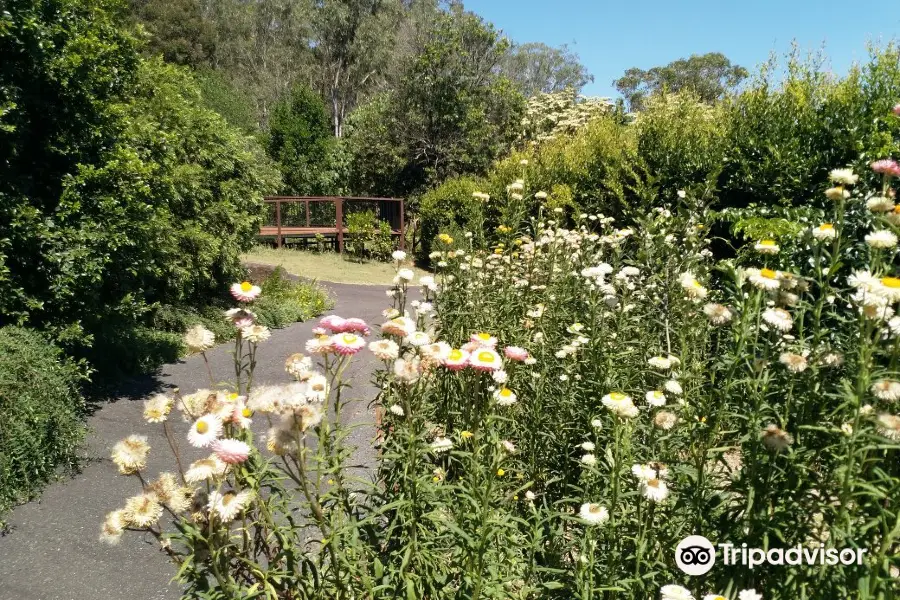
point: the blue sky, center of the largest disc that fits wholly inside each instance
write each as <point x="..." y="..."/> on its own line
<point x="613" y="36"/>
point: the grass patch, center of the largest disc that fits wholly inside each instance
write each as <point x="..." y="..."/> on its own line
<point x="327" y="266"/>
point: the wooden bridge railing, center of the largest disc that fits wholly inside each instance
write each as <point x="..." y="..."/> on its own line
<point x="390" y="210"/>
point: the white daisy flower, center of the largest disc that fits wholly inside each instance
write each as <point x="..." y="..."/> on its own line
<point x="766" y="247"/>
<point x="718" y="314"/>
<point x="205" y="431"/>
<point x="672" y="386"/>
<point x="886" y="389"/>
<point x="505" y="397"/>
<point x="881" y="239"/>
<point x="764" y="279"/>
<point x="824" y="232"/>
<point x="441" y="444"/>
<point x="794" y="362"/>
<point x="620" y="404"/>
<point x="880" y="204"/>
<point x="654" y="489"/>
<point x="593" y="514"/>
<point x="842" y="177"/>
<point x="659" y="362"/>
<point x="226" y="507"/>
<point x="675" y="592"/>
<point x="655" y="398"/>
<point x="778" y="318"/>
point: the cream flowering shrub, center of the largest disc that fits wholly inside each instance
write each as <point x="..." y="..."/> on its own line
<point x="556" y="412"/>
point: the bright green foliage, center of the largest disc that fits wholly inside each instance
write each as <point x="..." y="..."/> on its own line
<point x="220" y="94"/>
<point x="300" y="140"/>
<point x="42" y="408"/>
<point x="451" y="114"/>
<point x="368" y="236"/>
<point x="120" y="190"/>
<point x="285" y="301"/>
<point x="378" y="158"/>
<point x="759" y="155"/>
<point x="681" y="141"/>
<point x="452" y="209"/>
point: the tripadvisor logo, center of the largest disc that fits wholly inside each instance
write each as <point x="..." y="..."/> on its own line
<point x="696" y="555"/>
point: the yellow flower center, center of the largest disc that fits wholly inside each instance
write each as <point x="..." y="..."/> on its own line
<point x="484" y="336"/>
<point x="487" y="357"/>
<point x="466" y="434"/>
<point x="246" y="286"/>
<point x="455" y="354"/>
<point x="202" y="427"/>
<point x="594" y="508"/>
<point x="500" y="472"/>
<point x="349" y="338"/>
<point x="826" y="226"/>
<point x="890" y="282"/>
<point x="617" y="396"/>
<point x="657" y="394"/>
<point x="770" y="243"/>
<point x="506" y="392"/>
<point x="246" y="413"/>
<point x="768" y="273"/>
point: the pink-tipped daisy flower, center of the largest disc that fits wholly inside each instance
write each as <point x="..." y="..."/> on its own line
<point x="333" y="323"/>
<point x="887" y="167"/>
<point x="356" y="325"/>
<point x="456" y="359"/>
<point x="347" y="343"/>
<point x="240" y="317"/>
<point x="897" y="109"/>
<point x="245" y="291"/>
<point x="231" y="451"/>
<point x="485" y="359"/>
<point x="399" y="326"/>
<point x="205" y="431"/>
<point x="515" y="353"/>
<point x="485" y="340"/>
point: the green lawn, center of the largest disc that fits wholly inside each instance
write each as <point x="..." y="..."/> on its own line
<point x="327" y="266"/>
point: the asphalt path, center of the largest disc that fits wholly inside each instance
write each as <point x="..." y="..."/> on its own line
<point x="52" y="552"/>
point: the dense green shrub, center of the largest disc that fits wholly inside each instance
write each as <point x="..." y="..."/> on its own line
<point x="367" y="236"/>
<point x="285" y="300"/>
<point x="300" y="141"/>
<point x="118" y="190"/>
<point x="41" y="430"/>
<point x="760" y="157"/>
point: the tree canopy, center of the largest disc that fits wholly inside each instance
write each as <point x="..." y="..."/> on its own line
<point x="536" y="67"/>
<point x="709" y="76"/>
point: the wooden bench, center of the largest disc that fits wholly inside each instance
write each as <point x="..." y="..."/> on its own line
<point x="280" y="231"/>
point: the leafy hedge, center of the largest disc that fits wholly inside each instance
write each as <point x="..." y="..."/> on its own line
<point x="119" y="191"/>
<point x="41" y="430"/>
<point x="769" y="146"/>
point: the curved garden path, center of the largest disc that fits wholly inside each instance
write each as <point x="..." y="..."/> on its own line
<point x="52" y="551"/>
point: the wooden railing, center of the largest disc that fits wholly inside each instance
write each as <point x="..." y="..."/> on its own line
<point x="390" y="210"/>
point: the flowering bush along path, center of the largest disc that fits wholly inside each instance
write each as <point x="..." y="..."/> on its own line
<point x="52" y="550"/>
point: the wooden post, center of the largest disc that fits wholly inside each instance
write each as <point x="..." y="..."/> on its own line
<point x="307" y="212"/>
<point x="402" y="226"/>
<point x="278" y="221"/>
<point x="339" y="221"/>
